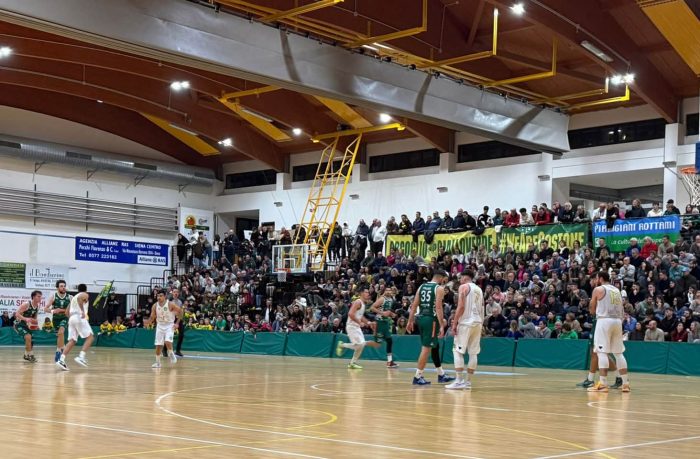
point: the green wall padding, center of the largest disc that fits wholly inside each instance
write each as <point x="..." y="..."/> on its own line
<point x="144" y="339"/>
<point x="407" y="348"/>
<point x="369" y="353"/>
<point x="568" y="354"/>
<point x="310" y="344"/>
<point x="6" y="336"/>
<point x="263" y="343"/>
<point x="220" y="341"/>
<point x="683" y="359"/>
<point x="647" y="357"/>
<point x="194" y="340"/>
<point x="123" y="339"/>
<point x="494" y="351"/>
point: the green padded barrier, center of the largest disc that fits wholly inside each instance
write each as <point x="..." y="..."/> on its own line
<point x="566" y="354"/>
<point x="6" y="336"/>
<point x="194" y="340"/>
<point x="407" y="348"/>
<point x="264" y="343"/>
<point x="220" y="341"/>
<point x="498" y="352"/>
<point x="144" y="338"/>
<point x="369" y="353"/>
<point x="123" y="339"/>
<point x="683" y="359"/>
<point x="310" y="344"/>
<point x="646" y="357"/>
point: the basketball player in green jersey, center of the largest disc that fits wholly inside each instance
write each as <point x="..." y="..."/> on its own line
<point x="25" y="321"/>
<point x="384" y="322"/>
<point x="58" y="305"/>
<point x="431" y="325"/>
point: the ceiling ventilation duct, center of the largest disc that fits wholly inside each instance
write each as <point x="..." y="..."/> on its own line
<point x="91" y="160"/>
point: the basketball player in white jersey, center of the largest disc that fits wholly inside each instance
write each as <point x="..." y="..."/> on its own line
<point x="164" y="313"/>
<point x="78" y="327"/>
<point x="356" y="320"/>
<point x="606" y="305"/>
<point x="466" y="328"/>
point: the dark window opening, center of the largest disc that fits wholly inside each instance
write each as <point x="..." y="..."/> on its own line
<point x="490" y="150"/>
<point x="308" y="171"/>
<point x="636" y="131"/>
<point x="407" y="160"/>
<point x="248" y="179"/>
<point x="691" y="124"/>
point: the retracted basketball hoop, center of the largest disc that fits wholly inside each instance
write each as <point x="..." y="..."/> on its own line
<point x="691" y="182"/>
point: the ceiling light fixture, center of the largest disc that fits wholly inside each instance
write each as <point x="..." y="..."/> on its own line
<point x="227" y="142"/>
<point x="178" y="85"/>
<point x="622" y="79"/>
<point x="297" y="131"/>
<point x="384" y="118"/>
<point x="518" y="9"/>
<point x="183" y="129"/>
<point x="370" y="47"/>
<point x="5" y="51"/>
<point x="255" y="114"/>
<point x="99" y="101"/>
<point x="597" y="52"/>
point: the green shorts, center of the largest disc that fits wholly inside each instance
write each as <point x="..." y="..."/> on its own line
<point x="429" y="328"/>
<point x="22" y="329"/>
<point x="59" y="322"/>
<point x="383" y="330"/>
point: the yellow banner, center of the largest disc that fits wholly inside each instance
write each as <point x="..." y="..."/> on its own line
<point x="463" y="240"/>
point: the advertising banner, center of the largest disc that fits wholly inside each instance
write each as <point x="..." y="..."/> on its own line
<point x="39" y="276"/>
<point x="12" y="275"/>
<point x="12" y="298"/>
<point x="464" y="241"/>
<point x="618" y="237"/>
<point x="192" y="221"/>
<point x="114" y="251"/>
<point x="520" y="238"/>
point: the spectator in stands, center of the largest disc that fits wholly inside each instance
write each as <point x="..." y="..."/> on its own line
<point x="655" y="210"/>
<point x="447" y="221"/>
<point x="671" y="208"/>
<point x="581" y="215"/>
<point x="527" y="328"/>
<point x="668" y="323"/>
<point x="543" y="217"/>
<point x="5" y="320"/>
<point x="543" y="332"/>
<point x="498" y="217"/>
<point x="649" y="248"/>
<point x="637" y="334"/>
<point x="484" y="219"/>
<point x="694" y="333"/>
<point x="377" y="235"/>
<point x="512" y="219"/>
<point x="405" y="226"/>
<point x="600" y="213"/>
<point x="418" y="226"/>
<point x="513" y="331"/>
<point x="636" y="211"/>
<point x="324" y="326"/>
<point x="435" y="223"/>
<point x="392" y="227"/>
<point x="459" y="223"/>
<point x="496" y="323"/>
<point x="680" y="334"/>
<point x="525" y="218"/>
<point x="566" y="213"/>
<point x="612" y="214"/>
<point x="666" y="247"/>
<point x="566" y="331"/>
<point x="634" y="244"/>
<point x="653" y="333"/>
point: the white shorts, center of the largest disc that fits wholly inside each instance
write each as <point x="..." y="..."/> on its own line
<point x="468" y="339"/>
<point x="607" y="338"/>
<point x="355" y="334"/>
<point x="78" y="328"/>
<point x="164" y="333"/>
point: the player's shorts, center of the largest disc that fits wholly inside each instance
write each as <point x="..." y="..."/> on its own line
<point x="59" y="322"/>
<point x="468" y="339"/>
<point x="383" y="330"/>
<point x="164" y="333"/>
<point x="429" y="328"/>
<point x="355" y="334"/>
<point x="22" y="329"/>
<point x="78" y="328"/>
<point x="608" y="336"/>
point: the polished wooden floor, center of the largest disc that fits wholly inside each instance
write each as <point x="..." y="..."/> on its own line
<point x="212" y="406"/>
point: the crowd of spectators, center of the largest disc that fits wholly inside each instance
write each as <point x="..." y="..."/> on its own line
<point x="543" y="293"/>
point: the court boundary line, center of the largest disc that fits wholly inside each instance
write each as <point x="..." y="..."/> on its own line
<point x="308" y="437"/>
<point x="157" y="435"/>
<point x="616" y="448"/>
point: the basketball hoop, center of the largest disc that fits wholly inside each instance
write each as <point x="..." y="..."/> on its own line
<point x="282" y="275"/>
<point x="691" y="182"/>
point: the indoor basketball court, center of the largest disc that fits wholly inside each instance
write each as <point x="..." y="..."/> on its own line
<point x="212" y="405"/>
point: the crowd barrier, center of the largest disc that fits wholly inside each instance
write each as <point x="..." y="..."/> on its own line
<point x="643" y="357"/>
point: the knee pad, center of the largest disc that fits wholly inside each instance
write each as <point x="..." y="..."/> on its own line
<point x="621" y="361"/>
<point x="603" y="361"/>
<point x="472" y="361"/>
<point x="459" y="359"/>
